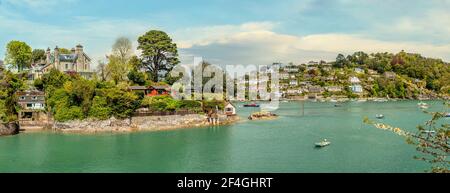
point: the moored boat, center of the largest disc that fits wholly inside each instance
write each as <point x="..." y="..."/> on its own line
<point x="379" y="116"/>
<point x="323" y="143"/>
<point x="251" y="105"/>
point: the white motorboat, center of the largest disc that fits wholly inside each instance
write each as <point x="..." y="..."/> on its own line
<point x="379" y="116"/>
<point x="323" y="143"/>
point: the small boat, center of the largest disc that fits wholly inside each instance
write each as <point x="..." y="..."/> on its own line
<point x="333" y="101"/>
<point x="251" y="105"/>
<point x="429" y="131"/>
<point x="323" y="143"/>
<point x="338" y="105"/>
<point x="447" y="115"/>
<point x="421" y="104"/>
<point x="379" y="116"/>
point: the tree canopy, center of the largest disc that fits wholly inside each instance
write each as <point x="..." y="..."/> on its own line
<point x="18" y="54"/>
<point x="159" y="54"/>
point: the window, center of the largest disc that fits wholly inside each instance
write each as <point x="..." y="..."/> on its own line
<point x="67" y="66"/>
<point x="22" y="98"/>
<point x="34" y="98"/>
<point x="29" y="105"/>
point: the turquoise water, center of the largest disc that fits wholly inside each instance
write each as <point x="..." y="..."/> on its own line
<point x="282" y="145"/>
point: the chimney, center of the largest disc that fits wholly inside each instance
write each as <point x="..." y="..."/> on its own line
<point x="48" y="56"/>
<point x="79" y="48"/>
<point x="56" y="55"/>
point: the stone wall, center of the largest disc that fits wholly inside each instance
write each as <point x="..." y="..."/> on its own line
<point x="148" y="123"/>
<point x="9" y="129"/>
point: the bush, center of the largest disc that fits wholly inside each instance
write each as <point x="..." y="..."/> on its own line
<point x="213" y="104"/>
<point x="67" y="114"/>
<point x="100" y="108"/>
<point x="122" y="103"/>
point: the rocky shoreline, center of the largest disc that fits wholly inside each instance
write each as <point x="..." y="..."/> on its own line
<point x="9" y="129"/>
<point x="134" y="124"/>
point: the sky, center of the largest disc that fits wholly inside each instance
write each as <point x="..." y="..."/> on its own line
<point x="235" y="31"/>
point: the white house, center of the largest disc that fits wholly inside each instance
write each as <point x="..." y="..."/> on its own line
<point x="293" y="83"/>
<point x="230" y="110"/>
<point x="354" y="80"/>
<point x="356" y="88"/>
<point x="359" y="70"/>
<point x="333" y="88"/>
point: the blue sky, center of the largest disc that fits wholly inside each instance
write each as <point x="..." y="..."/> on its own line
<point x="235" y="31"/>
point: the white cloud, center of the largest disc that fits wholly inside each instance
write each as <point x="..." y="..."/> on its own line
<point x="260" y="44"/>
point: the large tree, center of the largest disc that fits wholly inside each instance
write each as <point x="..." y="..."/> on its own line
<point x="119" y="61"/>
<point x="18" y="54"/>
<point x="37" y="55"/>
<point x="159" y="54"/>
<point x="123" y="49"/>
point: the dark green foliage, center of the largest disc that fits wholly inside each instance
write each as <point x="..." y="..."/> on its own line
<point x="159" y="54"/>
<point x="100" y="108"/>
<point x="9" y="84"/>
<point x="136" y="77"/>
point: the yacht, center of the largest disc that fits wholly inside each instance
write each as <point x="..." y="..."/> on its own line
<point x="379" y="116"/>
<point x="323" y="143"/>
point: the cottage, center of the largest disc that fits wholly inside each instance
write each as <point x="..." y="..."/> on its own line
<point x="151" y="90"/>
<point x="142" y="89"/>
<point x="230" y="109"/>
<point x="356" y="88"/>
<point x="31" y="100"/>
<point x="333" y="88"/>
<point x="372" y="72"/>
<point x="159" y="90"/>
<point x="293" y="83"/>
<point x="354" y="80"/>
<point x="32" y="109"/>
<point x="294" y="91"/>
<point x="390" y="75"/>
<point x="284" y="75"/>
<point x="315" y="89"/>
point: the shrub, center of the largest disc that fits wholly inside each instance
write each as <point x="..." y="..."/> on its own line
<point x="100" y="108"/>
<point x="67" y="114"/>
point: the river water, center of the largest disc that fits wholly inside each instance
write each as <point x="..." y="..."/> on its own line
<point x="282" y="145"/>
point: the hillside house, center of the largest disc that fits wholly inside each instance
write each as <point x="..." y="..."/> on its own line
<point x="354" y="80"/>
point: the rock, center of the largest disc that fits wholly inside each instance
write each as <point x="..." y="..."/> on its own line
<point x="9" y="128"/>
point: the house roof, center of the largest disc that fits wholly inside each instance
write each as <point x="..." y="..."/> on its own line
<point x="160" y="87"/>
<point x="138" y="88"/>
<point x="229" y="103"/>
<point x="68" y="57"/>
<point x="30" y="93"/>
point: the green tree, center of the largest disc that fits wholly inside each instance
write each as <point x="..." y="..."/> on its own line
<point x="159" y="54"/>
<point x="18" y="54"/>
<point x="119" y="62"/>
<point x="37" y="55"/>
<point x="64" y="51"/>
<point x="116" y="69"/>
<point x="136" y="77"/>
<point x="341" y="61"/>
<point x="100" y="108"/>
<point x="123" y="49"/>
<point x="9" y="84"/>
